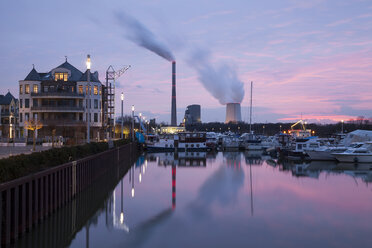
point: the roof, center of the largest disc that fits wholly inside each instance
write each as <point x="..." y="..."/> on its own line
<point x="33" y="76"/>
<point x="75" y="73"/>
<point x="92" y="77"/>
<point x="7" y="99"/>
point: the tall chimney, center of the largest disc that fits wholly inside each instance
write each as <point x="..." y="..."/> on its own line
<point x="174" y="108"/>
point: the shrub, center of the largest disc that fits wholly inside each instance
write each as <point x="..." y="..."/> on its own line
<point x="22" y="165"/>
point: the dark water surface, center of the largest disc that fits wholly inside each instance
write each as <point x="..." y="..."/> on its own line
<point x="230" y="200"/>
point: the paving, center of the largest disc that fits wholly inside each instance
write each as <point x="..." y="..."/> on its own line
<point x="7" y="151"/>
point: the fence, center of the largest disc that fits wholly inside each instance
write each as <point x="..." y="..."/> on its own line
<point x="28" y="201"/>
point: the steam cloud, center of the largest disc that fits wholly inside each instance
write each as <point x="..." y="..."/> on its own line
<point x="222" y="82"/>
<point x="143" y="37"/>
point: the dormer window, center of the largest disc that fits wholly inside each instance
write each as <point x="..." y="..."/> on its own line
<point x="60" y="76"/>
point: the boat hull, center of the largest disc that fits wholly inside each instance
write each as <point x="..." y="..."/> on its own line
<point x="320" y="155"/>
<point x="353" y="158"/>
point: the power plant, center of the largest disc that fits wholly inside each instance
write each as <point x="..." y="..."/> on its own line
<point x="174" y="107"/>
<point x="233" y="113"/>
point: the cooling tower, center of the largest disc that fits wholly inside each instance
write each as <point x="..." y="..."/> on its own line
<point x="233" y="113"/>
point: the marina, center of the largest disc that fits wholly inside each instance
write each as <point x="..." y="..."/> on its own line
<point x="238" y="198"/>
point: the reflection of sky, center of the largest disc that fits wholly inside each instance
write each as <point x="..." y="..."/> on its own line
<point x="213" y="209"/>
<point x="309" y="58"/>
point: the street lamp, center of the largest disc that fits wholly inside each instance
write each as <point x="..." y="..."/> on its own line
<point x="122" y="118"/>
<point x="342" y="126"/>
<point x="140" y="121"/>
<point x="88" y="98"/>
<point x="132" y="123"/>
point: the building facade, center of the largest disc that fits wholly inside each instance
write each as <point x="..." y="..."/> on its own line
<point x="192" y="114"/>
<point x="63" y="101"/>
<point x="8" y="117"/>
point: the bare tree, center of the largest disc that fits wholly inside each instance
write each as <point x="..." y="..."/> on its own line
<point x="33" y="125"/>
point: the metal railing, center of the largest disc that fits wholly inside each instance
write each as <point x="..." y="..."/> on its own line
<point x="58" y="93"/>
<point x="57" y="108"/>
<point x="28" y="201"/>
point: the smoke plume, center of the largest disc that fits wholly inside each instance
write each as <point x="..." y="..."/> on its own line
<point x="139" y="34"/>
<point x="221" y="81"/>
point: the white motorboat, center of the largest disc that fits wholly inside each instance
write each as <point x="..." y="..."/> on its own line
<point x="251" y="142"/>
<point x="230" y="143"/>
<point x="325" y="152"/>
<point x="356" y="155"/>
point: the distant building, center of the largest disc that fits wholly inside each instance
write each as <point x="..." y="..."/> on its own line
<point x="8" y="116"/>
<point x="192" y="114"/>
<point x="59" y="99"/>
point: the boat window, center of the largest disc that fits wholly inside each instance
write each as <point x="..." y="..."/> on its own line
<point x="197" y="145"/>
<point x="166" y="145"/>
<point x="192" y="145"/>
<point x="187" y="145"/>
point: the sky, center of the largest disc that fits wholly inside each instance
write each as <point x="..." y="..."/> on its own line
<point x="305" y="58"/>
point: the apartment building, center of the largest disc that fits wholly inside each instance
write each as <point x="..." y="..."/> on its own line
<point x="8" y="116"/>
<point x="63" y="100"/>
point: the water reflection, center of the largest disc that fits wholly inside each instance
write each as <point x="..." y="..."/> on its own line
<point x="229" y="199"/>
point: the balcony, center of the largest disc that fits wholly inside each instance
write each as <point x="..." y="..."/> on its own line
<point x="64" y="123"/>
<point x="65" y="109"/>
<point x="59" y="94"/>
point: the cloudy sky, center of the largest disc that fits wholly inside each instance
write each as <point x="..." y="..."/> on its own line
<point x="309" y="58"/>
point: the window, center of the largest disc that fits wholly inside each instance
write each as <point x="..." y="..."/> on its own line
<point x="72" y="89"/>
<point x="45" y="88"/>
<point x="20" y="117"/>
<point x="27" y="89"/>
<point x="21" y="103"/>
<point x="100" y="90"/>
<point x="27" y="103"/>
<point x="60" y="76"/>
<point x="80" y="103"/>
<point x="81" y="89"/>
<point x="96" y="104"/>
<point x="95" y="117"/>
<point x="34" y="103"/>
<point x="20" y="89"/>
<point x="95" y="90"/>
<point x="27" y="116"/>
<point x="80" y="116"/>
<point x="86" y="90"/>
<point x="36" y="88"/>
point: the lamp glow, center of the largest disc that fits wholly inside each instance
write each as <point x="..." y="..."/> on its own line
<point x="121" y="218"/>
<point x="132" y="192"/>
<point x="88" y="62"/>
<point x="140" y="178"/>
<point x="122" y="96"/>
<point x="132" y="107"/>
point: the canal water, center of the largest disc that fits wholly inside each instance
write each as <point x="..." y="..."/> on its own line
<point x="229" y="199"/>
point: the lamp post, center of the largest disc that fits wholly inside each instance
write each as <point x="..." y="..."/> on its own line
<point x="342" y="126"/>
<point x="132" y="123"/>
<point x="122" y="118"/>
<point x="140" y="120"/>
<point x="88" y="98"/>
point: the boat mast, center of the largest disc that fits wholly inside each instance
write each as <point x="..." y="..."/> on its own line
<point x="250" y="111"/>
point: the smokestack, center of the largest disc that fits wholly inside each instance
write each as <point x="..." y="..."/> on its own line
<point x="174" y="107"/>
<point x="233" y="112"/>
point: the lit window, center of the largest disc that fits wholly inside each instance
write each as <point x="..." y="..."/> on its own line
<point x="95" y="90"/>
<point x="100" y="90"/>
<point x="60" y="76"/>
<point x="81" y="89"/>
<point x="27" y="88"/>
<point x="20" y="89"/>
<point x="86" y="90"/>
<point x="36" y="88"/>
